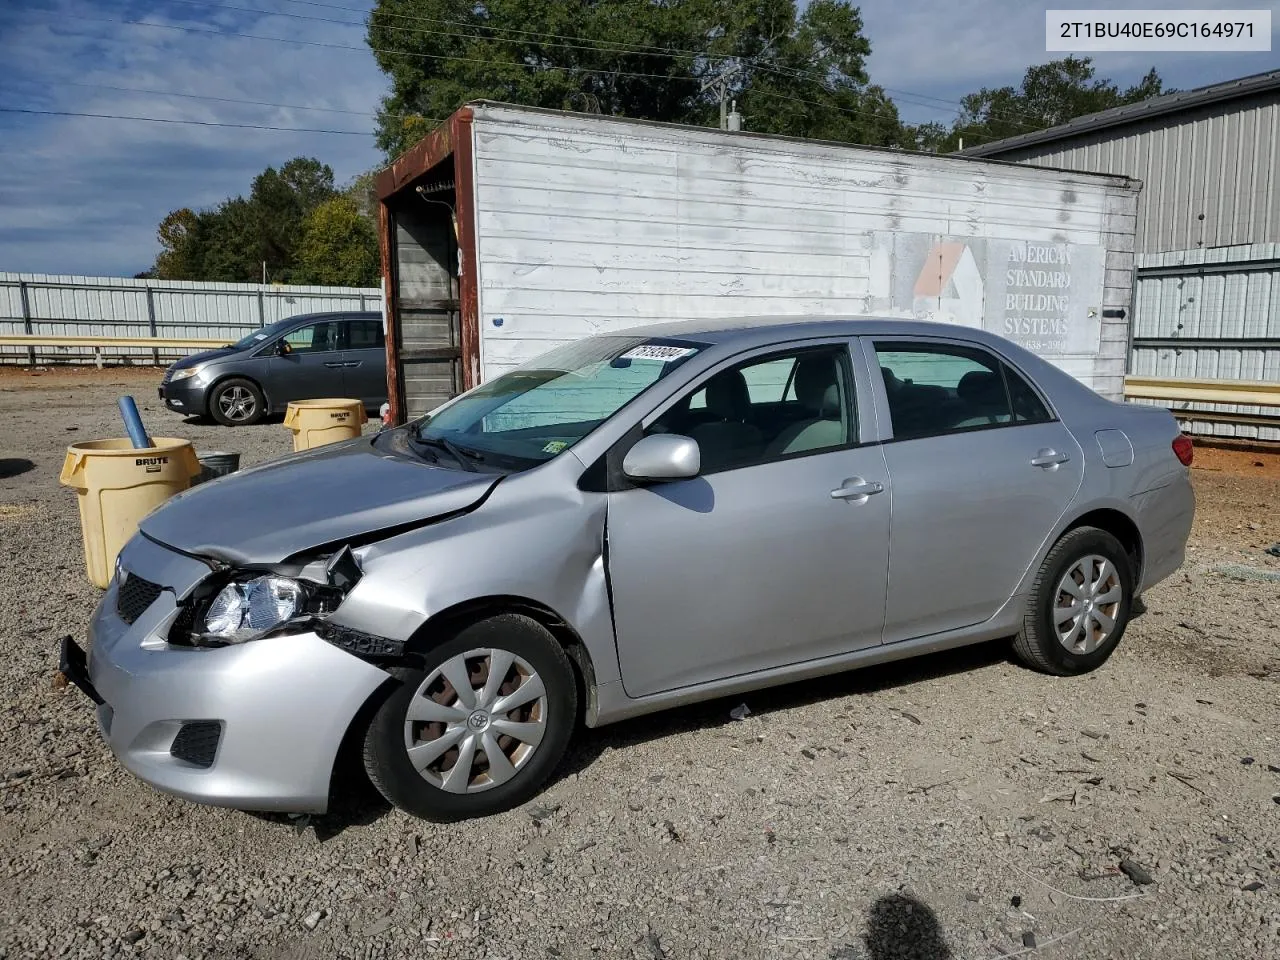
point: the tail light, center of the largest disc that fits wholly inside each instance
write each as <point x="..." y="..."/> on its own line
<point x="1183" y="450"/>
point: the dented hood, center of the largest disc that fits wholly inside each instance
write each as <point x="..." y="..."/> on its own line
<point x="330" y="495"/>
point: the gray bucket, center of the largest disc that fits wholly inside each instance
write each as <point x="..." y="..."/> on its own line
<point x="216" y="464"/>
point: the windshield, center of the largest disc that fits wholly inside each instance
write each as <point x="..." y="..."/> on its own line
<point x="542" y="408"/>
<point x="265" y="333"/>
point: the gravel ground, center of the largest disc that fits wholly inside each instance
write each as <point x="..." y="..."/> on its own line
<point x="956" y="806"/>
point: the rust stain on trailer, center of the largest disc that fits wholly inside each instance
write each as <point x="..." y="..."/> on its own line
<point x="418" y="159"/>
<point x="468" y="283"/>
<point x="386" y="228"/>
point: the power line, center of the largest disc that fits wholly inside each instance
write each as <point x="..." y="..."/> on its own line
<point x="360" y="49"/>
<point x="198" y="96"/>
<point x="489" y="62"/>
<point x="199" y="123"/>
<point x="556" y="41"/>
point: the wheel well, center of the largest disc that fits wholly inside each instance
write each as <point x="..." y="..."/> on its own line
<point x="449" y="621"/>
<point x="1120" y="527"/>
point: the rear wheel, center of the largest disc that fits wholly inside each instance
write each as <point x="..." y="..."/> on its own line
<point x="479" y="727"/>
<point x="1079" y="606"/>
<point x="237" y="402"/>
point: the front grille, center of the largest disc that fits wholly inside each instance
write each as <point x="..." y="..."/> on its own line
<point x="197" y="742"/>
<point x="168" y="375"/>
<point x="134" y="596"/>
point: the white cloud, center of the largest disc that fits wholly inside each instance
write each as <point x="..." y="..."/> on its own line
<point x="81" y="195"/>
<point x="944" y="49"/>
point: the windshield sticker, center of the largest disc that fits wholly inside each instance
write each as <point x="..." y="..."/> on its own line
<point x="555" y="446"/>
<point x="656" y="351"/>
<point x="259" y="336"/>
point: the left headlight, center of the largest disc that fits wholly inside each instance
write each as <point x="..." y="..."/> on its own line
<point x="184" y="374"/>
<point x="253" y="608"/>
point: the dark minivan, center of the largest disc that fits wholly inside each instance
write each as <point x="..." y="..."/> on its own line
<point x="305" y="357"/>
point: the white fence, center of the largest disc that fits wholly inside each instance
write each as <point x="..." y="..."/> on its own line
<point x="115" y="307"/>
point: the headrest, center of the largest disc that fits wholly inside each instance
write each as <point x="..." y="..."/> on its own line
<point x="816" y="385"/>
<point x="982" y="388"/>
<point x="727" y="395"/>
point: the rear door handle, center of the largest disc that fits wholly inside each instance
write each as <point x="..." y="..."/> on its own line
<point x="855" y="488"/>
<point x="332" y="364"/>
<point x="1048" y="457"/>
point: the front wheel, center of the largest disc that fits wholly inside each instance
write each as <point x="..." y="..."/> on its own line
<point x="1079" y="606"/>
<point x="237" y="402"/>
<point x="479" y="727"/>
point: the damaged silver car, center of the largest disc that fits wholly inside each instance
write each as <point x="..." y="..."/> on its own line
<point x="628" y="523"/>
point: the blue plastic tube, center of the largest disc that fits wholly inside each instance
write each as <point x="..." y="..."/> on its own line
<point x="133" y="423"/>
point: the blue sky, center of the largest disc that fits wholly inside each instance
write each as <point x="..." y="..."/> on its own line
<point x="84" y="196"/>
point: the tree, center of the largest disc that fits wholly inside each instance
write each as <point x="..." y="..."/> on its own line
<point x="338" y="247"/>
<point x="794" y="73"/>
<point x="1051" y="93"/>
<point x="179" y="249"/>
<point x="233" y="240"/>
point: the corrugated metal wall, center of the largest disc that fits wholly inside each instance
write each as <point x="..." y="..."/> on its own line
<point x="1210" y="175"/>
<point x="587" y="224"/>
<point x="1211" y="314"/>
<point x="119" y="307"/>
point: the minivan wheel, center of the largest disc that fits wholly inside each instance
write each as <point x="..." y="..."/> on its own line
<point x="479" y="726"/>
<point x="1079" y="605"/>
<point x="237" y="402"/>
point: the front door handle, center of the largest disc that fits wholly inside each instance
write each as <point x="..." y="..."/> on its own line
<point x="1047" y="457"/>
<point x="332" y="364"/>
<point x="855" y="488"/>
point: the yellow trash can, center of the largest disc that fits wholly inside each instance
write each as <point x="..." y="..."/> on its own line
<point x="117" y="485"/>
<point x="317" y="422"/>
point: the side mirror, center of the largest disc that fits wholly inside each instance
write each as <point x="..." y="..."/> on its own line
<point x="663" y="456"/>
<point x="282" y="348"/>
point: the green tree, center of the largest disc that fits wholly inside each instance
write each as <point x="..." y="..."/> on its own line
<point x="794" y="73"/>
<point x="338" y="246"/>
<point x="232" y="241"/>
<point x="179" y="246"/>
<point x="1051" y="93"/>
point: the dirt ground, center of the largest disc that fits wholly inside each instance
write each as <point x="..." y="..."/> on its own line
<point x="956" y="806"/>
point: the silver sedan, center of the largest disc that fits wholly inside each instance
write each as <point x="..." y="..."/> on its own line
<point x="628" y="523"/>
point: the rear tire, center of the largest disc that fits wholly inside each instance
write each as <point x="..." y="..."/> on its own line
<point x="237" y="402"/>
<point x="511" y="730"/>
<point x="1079" y="606"/>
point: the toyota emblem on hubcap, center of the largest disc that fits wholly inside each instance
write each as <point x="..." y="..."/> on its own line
<point x="478" y="720"/>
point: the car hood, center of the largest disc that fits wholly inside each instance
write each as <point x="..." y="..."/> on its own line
<point x="204" y="356"/>
<point x="331" y="495"/>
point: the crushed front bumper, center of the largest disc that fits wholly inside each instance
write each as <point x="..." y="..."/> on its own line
<point x="253" y="726"/>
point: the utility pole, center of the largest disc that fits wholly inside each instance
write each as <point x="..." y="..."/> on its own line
<point x="720" y="84"/>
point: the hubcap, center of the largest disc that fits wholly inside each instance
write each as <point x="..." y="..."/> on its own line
<point x="475" y="721"/>
<point x="236" y="403"/>
<point x="1086" y="604"/>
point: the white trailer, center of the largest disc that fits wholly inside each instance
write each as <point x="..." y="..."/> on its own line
<point x="510" y="230"/>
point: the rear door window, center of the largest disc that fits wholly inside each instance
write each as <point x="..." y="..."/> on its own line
<point x="935" y="389"/>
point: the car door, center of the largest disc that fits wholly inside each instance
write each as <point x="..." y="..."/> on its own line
<point x="364" y="357"/>
<point x="776" y="553"/>
<point x="982" y="472"/>
<point x="312" y="368"/>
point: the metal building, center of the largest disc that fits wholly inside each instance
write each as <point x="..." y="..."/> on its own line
<point x="1207" y="303"/>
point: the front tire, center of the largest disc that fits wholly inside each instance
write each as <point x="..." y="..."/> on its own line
<point x="237" y="402"/>
<point x="479" y="727"/>
<point x="1079" y="606"/>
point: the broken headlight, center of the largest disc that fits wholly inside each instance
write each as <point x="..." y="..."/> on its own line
<point x="238" y="606"/>
<point x="252" y="609"/>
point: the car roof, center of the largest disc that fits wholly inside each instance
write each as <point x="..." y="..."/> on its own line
<point x="335" y="315"/>
<point x="740" y="331"/>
